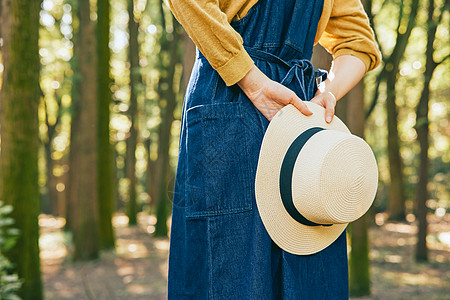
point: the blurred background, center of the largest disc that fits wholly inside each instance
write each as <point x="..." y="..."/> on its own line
<point x="91" y="99"/>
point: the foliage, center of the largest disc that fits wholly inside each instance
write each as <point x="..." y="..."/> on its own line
<point x="409" y="84"/>
<point x="9" y="283"/>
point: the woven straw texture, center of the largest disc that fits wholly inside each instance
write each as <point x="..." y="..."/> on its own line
<point x="334" y="180"/>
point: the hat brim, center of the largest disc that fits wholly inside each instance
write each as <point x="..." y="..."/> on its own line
<point x="286" y="232"/>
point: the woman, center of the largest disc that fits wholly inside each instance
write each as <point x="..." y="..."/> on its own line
<point x="253" y="59"/>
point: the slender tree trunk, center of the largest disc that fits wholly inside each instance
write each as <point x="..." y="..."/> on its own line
<point x="152" y="174"/>
<point x="422" y="128"/>
<point x="50" y="202"/>
<point x="359" y="262"/>
<point x="106" y="183"/>
<point x="20" y="98"/>
<point x="153" y="167"/>
<point x="397" y="197"/>
<point x="396" y="189"/>
<point x="83" y="152"/>
<point x="133" y="51"/>
<point x="168" y="95"/>
<point x="52" y="195"/>
<point x="188" y="58"/>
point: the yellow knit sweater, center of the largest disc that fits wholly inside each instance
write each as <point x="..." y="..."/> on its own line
<point x="343" y="29"/>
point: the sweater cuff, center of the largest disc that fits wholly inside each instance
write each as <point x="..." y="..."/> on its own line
<point x="236" y="68"/>
<point x="365" y="58"/>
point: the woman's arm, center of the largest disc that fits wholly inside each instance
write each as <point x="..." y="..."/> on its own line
<point x="209" y="27"/>
<point x="269" y="96"/>
<point x="346" y="71"/>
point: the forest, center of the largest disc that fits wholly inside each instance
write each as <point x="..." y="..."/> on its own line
<point x="91" y="97"/>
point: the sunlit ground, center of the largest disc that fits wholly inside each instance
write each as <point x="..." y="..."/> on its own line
<point x="395" y="274"/>
<point x="138" y="267"/>
<point x="136" y="270"/>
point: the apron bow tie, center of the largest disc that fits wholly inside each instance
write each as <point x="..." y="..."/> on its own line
<point x="301" y="76"/>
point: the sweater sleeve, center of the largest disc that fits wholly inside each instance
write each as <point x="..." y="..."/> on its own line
<point x="348" y="32"/>
<point x="209" y="28"/>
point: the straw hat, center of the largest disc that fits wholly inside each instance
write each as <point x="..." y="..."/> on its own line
<point x="312" y="179"/>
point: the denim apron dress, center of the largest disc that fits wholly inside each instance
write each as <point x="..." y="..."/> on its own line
<point x="219" y="248"/>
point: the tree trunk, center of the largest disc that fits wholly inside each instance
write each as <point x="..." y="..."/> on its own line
<point x="321" y="59"/>
<point x="188" y="58"/>
<point x="359" y="263"/>
<point x="51" y="205"/>
<point x="422" y="128"/>
<point x="20" y="98"/>
<point x="397" y="199"/>
<point x="105" y="173"/>
<point x="396" y="189"/>
<point x="166" y="91"/>
<point x="133" y="51"/>
<point x="152" y="174"/>
<point x="83" y="151"/>
<point x="49" y="202"/>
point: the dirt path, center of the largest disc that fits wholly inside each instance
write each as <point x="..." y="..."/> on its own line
<point x="138" y="267"/>
<point x="136" y="270"/>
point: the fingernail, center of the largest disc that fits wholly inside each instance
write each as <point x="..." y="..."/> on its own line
<point x="328" y="119"/>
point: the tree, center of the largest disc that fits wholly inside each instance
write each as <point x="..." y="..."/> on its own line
<point x="135" y="78"/>
<point x="168" y="88"/>
<point x="422" y="128"/>
<point x="51" y="204"/>
<point x="83" y="199"/>
<point x="359" y="262"/>
<point x="188" y="59"/>
<point x="388" y="74"/>
<point x="20" y="98"/>
<point x="105" y="172"/>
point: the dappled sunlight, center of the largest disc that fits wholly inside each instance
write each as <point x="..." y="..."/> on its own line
<point x="444" y="237"/>
<point x="52" y="245"/>
<point x="146" y="219"/>
<point x="131" y="248"/>
<point x="125" y="270"/>
<point x="51" y="223"/>
<point x="393" y="259"/>
<point x="162" y="245"/>
<point x="424" y="279"/>
<point x="120" y="220"/>
<point x="138" y="267"/>
<point x="147" y="222"/>
<point x="402" y="228"/>
<point x="137" y="288"/>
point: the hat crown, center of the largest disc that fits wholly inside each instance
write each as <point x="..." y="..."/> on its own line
<point x="335" y="178"/>
<point x="331" y="179"/>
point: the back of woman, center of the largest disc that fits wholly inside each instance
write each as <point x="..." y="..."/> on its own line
<point x="253" y="58"/>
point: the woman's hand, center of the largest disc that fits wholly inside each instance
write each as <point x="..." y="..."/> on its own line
<point x="269" y="96"/>
<point x="327" y="100"/>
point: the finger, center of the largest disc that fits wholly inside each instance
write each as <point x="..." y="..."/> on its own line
<point x="300" y="105"/>
<point x="329" y="111"/>
<point x="318" y="100"/>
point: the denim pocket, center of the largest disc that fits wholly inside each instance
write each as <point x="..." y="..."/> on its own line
<point x="218" y="174"/>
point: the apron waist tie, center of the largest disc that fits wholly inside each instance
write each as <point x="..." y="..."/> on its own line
<point x="301" y="76"/>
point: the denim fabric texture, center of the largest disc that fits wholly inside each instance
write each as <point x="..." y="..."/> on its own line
<point x="219" y="248"/>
